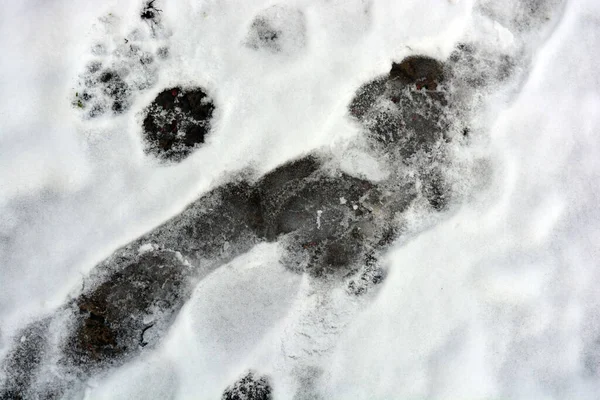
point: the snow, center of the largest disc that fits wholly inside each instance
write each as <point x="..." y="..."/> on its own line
<point x="230" y="313"/>
<point x="497" y="300"/>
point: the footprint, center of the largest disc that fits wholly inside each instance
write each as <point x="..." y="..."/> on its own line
<point x="406" y="116"/>
<point x="249" y="387"/>
<point x="278" y="29"/>
<point x="121" y="67"/>
<point x="176" y="122"/>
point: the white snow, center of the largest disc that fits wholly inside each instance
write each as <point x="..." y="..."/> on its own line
<point x="498" y="300"/>
<point x="319" y="213"/>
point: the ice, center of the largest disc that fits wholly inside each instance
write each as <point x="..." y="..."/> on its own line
<point x="495" y="299"/>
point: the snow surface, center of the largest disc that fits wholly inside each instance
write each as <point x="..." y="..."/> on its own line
<point x="498" y="300"/>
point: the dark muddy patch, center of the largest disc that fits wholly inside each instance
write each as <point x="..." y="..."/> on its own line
<point x="313" y="207"/>
<point x="112" y="316"/>
<point x="250" y="387"/>
<point x="177" y="122"/>
<point x="325" y="218"/>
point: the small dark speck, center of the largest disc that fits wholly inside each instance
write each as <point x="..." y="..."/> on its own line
<point x="106" y="76"/>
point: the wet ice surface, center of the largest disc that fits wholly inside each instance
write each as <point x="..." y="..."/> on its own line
<point x="472" y="185"/>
